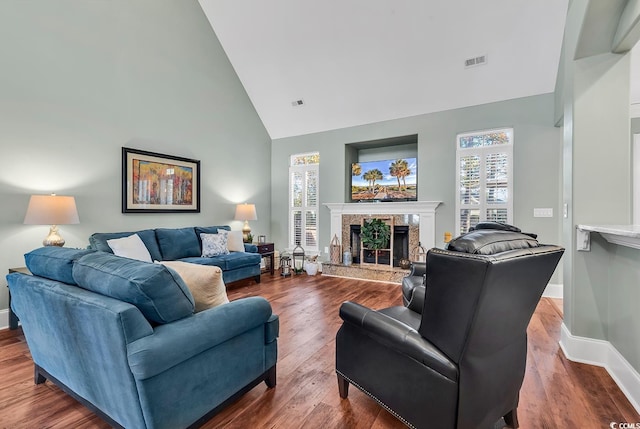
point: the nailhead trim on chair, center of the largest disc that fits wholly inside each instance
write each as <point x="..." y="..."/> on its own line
<point x="382" y="404"/>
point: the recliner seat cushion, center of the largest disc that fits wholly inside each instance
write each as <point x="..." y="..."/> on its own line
<point x="491" y="241"/>
<point x="159" y="293"/>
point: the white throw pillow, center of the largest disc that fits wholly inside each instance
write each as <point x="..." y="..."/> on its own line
<point x="234" y="240"/>
<point x="204" y="281"/>
<point x="214" y="245"/>
<point x="131" y="247"/>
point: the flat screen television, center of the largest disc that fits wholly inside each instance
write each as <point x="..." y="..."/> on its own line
<point x="387" y="180"/>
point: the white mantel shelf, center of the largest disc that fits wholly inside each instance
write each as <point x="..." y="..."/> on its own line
<point x="426" y="210"/>
<point x="623" y="235"/>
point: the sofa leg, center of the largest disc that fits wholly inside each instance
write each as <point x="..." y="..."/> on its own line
<point x="257" y="278"/>
<point x="511" y="418"/>
<point x="343" y="387"/>
<point x="38" y="378"/>
<point x="270" y="379"/>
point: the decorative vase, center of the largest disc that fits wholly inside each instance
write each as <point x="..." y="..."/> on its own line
<point x="347" y="259"/>
<point x="311" y="268"/>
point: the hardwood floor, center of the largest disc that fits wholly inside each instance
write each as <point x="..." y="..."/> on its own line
<point x="556" y="393"/>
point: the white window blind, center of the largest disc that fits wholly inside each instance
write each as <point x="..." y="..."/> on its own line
<point x="484" y="171"/>
<point x="304" y="172"/>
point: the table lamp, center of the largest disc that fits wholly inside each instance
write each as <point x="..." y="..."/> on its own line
<point x="246" y="212"/>
<point x="52" y="210"/>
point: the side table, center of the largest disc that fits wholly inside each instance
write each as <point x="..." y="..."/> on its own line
<point x="13" y="319"/>
<point x="267" y="250"/>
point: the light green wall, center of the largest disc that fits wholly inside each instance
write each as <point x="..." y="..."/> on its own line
<point x="601" y="286"/>
<point x="80" y="79"/>
<point x="537" y="154"/>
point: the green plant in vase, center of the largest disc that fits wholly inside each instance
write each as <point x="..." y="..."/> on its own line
<point x="375" y="234"/>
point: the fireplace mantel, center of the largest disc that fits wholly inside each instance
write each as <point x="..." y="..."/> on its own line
<point x="425" y="209"/>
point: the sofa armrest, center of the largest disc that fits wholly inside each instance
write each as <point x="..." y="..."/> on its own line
<point x="175" y="342"/>
<point x="398" y="336"/>
<point x="251" y="248"/>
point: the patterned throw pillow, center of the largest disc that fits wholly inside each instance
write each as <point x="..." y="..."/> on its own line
<point x="214" y="245"/>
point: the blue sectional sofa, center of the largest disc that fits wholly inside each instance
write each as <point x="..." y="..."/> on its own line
<point x="121" y="336"/>
<point x="183" y="244"/>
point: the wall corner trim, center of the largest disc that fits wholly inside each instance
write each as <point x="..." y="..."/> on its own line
<point x="603" y="353"/>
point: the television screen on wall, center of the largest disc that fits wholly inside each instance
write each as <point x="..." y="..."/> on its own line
<point x="387" y="180"/>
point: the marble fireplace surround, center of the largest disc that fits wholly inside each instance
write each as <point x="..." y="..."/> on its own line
<point x="426" y="210"/>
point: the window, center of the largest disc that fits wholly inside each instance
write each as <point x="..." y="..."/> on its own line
<point x="484" y="171"/>
<point x="304" y="172"/>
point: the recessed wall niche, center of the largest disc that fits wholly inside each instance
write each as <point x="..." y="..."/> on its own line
<point x="401" y="147"/>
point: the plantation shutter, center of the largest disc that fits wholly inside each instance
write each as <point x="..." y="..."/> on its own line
<point x="303" y="201"/>
<point x="484" y="178"/>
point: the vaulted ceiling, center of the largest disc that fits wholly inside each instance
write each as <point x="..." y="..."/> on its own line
<point x="354" y="62"/>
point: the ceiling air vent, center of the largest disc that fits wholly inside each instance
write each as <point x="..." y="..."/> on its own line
<point x="297" y="103"/>
<point x="475" y="61"/>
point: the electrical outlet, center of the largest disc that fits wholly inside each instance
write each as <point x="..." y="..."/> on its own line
<point x="326" y="250"/>
<point x="546" y="212"/>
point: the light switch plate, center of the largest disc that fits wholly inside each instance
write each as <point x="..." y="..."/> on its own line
<point x="544" y="212"/>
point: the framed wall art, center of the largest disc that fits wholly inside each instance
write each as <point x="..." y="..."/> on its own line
<point x="157" y="183"/>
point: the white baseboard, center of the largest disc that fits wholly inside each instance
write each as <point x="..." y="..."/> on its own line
<point x="553" y="291"/>
<point x="4" y="319"/>
<point x="602" y="353"/>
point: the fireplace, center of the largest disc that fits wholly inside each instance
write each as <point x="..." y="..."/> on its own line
<point x="413" y="224"/>
<point x="399" y="251"/>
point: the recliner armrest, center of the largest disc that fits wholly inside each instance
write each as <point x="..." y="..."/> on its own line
<point x="418" y="269"/>
<point x="398" y="336"/>
<point x="417" y="299"/>
<point x="175" y="342"/>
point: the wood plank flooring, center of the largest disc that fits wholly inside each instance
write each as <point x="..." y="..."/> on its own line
<point x="556" y="393"/>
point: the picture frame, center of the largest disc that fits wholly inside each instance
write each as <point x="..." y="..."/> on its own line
<point x="158" y="183"/>
<point x="262" y="239"/>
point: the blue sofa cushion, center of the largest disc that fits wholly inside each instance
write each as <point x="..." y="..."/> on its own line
<point x="98" y="241"/>
<point x="157" y="291"/>
<point x="177" y="243"/>
<point x="228" y="262"/>
<point x="54" y="263"/>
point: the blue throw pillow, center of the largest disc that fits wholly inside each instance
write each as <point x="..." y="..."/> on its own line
<point x="157" y="291"/>
<point x="176" y="243"/>
<point x="54" y="263"/>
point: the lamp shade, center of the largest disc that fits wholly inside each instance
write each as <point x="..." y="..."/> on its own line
<point x="51" y="210"/>
<point x="246" y="212"/>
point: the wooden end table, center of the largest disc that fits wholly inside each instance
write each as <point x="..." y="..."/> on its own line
<point x="267" y="250"/>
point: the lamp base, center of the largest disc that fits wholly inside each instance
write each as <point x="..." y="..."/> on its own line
<point x="53" y="239"/>
<point x="246" y="232"/>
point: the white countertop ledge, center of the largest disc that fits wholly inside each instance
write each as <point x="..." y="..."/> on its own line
<point x="623" y="235"/>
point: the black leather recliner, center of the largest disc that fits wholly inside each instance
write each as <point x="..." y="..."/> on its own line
<point x="415" y="278"/>
<point x="455" y="356"/>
